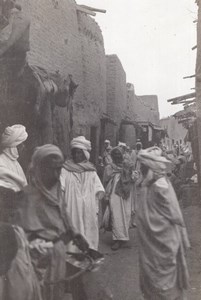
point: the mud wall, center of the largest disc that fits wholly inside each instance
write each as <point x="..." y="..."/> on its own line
<point x="65" y="41"/>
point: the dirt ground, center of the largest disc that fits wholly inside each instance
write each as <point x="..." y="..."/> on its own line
<point x="120" y="270"/>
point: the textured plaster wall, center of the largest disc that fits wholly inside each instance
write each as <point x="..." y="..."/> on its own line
<point x="69" y="42"/>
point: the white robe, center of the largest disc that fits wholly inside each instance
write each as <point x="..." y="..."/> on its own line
<point x="12" y="176"/>
<point x="82" y="192"/>
<point x="121" y="213"/>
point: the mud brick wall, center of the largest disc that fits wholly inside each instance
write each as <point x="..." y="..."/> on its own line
<point x="90" y="107"/>
<point x="116" y="95"/>
<point x="150" y="102"/>
<point x="143" y="108"/>
<point x="69" y="42"/>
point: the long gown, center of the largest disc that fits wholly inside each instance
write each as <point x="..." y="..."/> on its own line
<point x="162" y="242"/>
<point x="82" y="191"/>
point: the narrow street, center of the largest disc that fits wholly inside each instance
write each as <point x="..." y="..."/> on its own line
<point x="121" y="268"/>
<point x="120" y="271"/>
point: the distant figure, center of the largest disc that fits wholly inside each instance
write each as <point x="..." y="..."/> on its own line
<point x="106" y="153"/>
<point x="118" y="182"/>
<point x="11" y="173"/>
<point x="135" y="152"/>
<point x="162" y="234"/>
<point x="82" y="191"/>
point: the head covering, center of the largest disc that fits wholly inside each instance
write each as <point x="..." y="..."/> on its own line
<point x="8" y="247"/>
<point x="43" y="151"/>
<point x="13" y="136"/>
<point x="152" y="158"/>
<point x="121" y="144"/>
<point x="82" y="143"/>
<point x="107" y="142"/>
<point x="138" y="143"/>
<point x="118" y="148"/>
<point x="35" y="168"/>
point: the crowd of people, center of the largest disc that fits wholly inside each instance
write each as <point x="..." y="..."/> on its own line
<point x="55" y="209"/>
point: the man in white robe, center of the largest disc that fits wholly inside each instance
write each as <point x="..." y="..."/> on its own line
<point x="11" y="174"/>
<point x="82" y="190"/>
<point x="162" y="236"/>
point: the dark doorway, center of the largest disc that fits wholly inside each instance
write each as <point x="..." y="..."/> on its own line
<point x="93" y="138"/>
<point x="102" y="137"/>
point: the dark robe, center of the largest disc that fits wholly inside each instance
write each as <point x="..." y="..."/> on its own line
<point x="44" y="218"/>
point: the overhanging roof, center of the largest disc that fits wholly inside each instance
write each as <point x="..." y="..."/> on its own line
<point x="129" y="122"/>
<point x="154" y="126"/>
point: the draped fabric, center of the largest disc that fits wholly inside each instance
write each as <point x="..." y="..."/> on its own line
<point x="11" y="174"/>
<point x="20" y="282"/>
<point x="13" y="136"/>
<point x="35" y="169"/>
<point x="43" y="215"/>
<point x="42" y="218"/>
<point x="82" y="143"/>
<point x="162" y="242"/>
<point x="82" y="190"/>
<point x="84" y="166"/>
<point x="119" y="206"/>
<point x="14" y="178"/>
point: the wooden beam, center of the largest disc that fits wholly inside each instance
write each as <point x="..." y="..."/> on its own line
<point x="84" y="10"/>
<point x="191" y="76"/>
<point x="188" y="102"/>
<point x="184" y="97"/>
<point x="94" y="9"/>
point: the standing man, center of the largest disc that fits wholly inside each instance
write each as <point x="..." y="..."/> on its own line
<point x="43" y="217"/>
<point x="82" y="191"/>
<point x="118" y="183"/>
<point x="11" y="174"/>
<point x="106" y="153"/>
<point x="161" y="231"/>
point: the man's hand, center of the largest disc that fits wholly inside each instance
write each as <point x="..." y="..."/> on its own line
<point x="41" y="246"/>
<point x="80" y="242"/>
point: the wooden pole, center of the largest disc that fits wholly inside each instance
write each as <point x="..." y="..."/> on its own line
<point x="94" y="9"/>
<point x="86" y="11"/>
<point x="187" y="77"/>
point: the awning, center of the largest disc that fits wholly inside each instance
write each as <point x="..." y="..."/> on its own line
<point x="154" y="126"/>
<point x="130" y="122"/>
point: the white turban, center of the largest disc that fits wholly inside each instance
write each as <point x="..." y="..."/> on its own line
<point x="82" y="143"/>
<point x="13" y="136"/>
<point x="151" y="157"/>
<point x="121" y="144"/>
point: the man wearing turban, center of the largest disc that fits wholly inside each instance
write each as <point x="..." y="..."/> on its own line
<point x="11" y="173"/>
<point x="161" y="231"/>
<point x="43" y="217"/>
<point x="83" y="190"/>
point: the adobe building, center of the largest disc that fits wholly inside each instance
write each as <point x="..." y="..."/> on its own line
<point x="53" y="72"/>
<point x="176" y="133"/>
<point x="146" y="114"/>
<point x="119" y="108"/>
